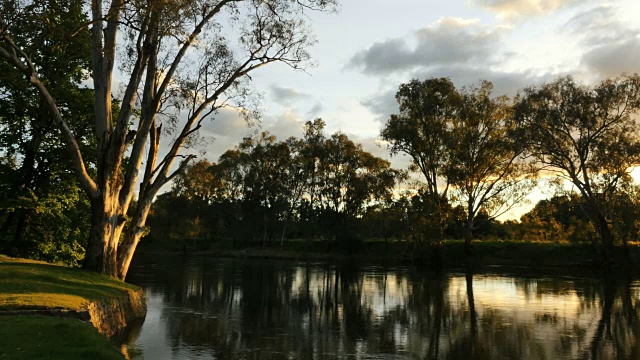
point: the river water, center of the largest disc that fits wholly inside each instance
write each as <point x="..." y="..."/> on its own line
<point x="212" y="308"/>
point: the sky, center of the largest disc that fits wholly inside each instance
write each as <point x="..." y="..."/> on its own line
<point x="370" y="47"/>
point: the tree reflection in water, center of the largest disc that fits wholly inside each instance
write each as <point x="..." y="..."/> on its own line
<point x="251" y="309"/>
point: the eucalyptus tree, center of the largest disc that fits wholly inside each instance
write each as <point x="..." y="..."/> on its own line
<point x="420" y="130"/>
<point x="312" y="155"/>
<point x="261" y="178"/>
<point x="295" y="182"/>
<point x="266" y="180"/>
<point x="182" y="61"/>
<point x="587" y="136"/>
<point x="353" y="178"/>
<point x="486" y="166"/>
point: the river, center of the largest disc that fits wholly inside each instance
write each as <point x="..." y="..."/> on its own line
<point x="212" y="308"/>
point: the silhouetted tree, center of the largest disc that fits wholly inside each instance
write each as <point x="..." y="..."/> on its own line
<point x="586" y="135"/>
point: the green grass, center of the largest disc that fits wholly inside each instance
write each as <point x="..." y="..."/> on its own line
<point x="35" y="285"/>
<point x="36" y="337"/>
<point x="27" y="284"/>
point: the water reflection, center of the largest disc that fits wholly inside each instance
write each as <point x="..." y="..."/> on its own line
<point x="250" y="309"/>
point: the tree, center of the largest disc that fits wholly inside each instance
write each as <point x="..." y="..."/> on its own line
<point x="265" y="183"/>
<point x="198" y="185"/>
<point x="180" y="69"/>
<point x="42" y="211"/>
<point x="420" y="131"/>
<point x="312" y="154"/>
<point x="587" y="136"/>
<point x="484" y="168"/>
<point x="351" y="179"/>
<point x="462" y="143"/>
<point x="557" y="218"/>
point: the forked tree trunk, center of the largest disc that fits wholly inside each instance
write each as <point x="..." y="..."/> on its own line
<point x="107" y="223"/>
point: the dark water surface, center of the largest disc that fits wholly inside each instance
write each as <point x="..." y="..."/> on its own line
<point x="211" y="308"/>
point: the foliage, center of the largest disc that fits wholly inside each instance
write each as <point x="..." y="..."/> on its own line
<point x="43" y="213"/>
<point x="586" y="136"/>
<point x="559" y="218"/>
<point x="463" y="143"/>
<point x="264" y="189"/>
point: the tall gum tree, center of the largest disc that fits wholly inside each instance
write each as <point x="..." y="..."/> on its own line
<point x="182" y="61"/>
<point x="587" y="136"/>
<point x="420" y="130"/>
<point x="487" y="169"/>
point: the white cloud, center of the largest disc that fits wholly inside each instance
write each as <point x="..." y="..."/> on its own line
<point x="611" y="46"/>
<point x="511" y="9"/>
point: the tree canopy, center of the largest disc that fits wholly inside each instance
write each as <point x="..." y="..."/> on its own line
<point x="587" y="136"/>
<point x="181" y="61"/>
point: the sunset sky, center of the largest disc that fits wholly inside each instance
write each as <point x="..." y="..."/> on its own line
<point x="370" y="47"/>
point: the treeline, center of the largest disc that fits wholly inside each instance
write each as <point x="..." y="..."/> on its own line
<point x="265" y="191"/>
<point x="479" y="156"/>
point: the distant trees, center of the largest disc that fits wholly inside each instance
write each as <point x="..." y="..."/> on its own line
<point x="559" y="218"/>
<point x="480" y="152"/>
<point x="587" y="136"/>
<point x="263" y="187"/>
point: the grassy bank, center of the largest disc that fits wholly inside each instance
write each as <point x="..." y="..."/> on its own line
<point x="32" y="285"/>
<point x="28" y="284"/>
<point x="485" y="252"/>
<point x="37" y="337"/>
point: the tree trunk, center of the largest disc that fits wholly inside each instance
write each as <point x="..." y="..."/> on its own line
<point x="284" y="231"/>
<point x="107" y="223"/>
<point x="468" y="237"/>
<point x="132" y="237"/>
<point x="606" y="237"/>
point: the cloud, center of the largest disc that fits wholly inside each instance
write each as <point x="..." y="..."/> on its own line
<point x="315" y="111"/>
<point x="504" y="83"/>
<point x="613" y="59"/>
<point x="285" y="125"/>
<point x="598" y="26"/>
<point x="511" y="9"/>
<point x="383" y="104"/>
<point x="228" y="122"/>
<point x="610" y="46"/>
<point x="449" y="40"/>
<point x="285" y="96"/>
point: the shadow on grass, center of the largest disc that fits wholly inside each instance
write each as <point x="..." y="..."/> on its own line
<point x="37" y="337"/>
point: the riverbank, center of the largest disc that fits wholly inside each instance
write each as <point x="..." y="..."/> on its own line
<point x="485" y="253"/>
<point x="52" y="311"/>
